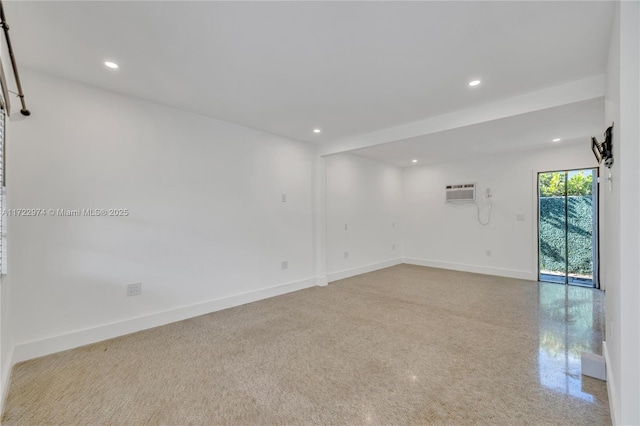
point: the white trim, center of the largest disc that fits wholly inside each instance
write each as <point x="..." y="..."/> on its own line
<point x="322" y="280"/>
<point x="611" y="387"/>
<point x="37" y="348"/>
<point x="340" y="275"/>
<point x="486" y="270"/>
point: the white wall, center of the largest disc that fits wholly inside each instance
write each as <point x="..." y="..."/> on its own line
<point x="366" y="196"/>
<point x="630" y="212"/>
<point x="621" y="230"/>
<point x="6" y="341"/>
<point x="206" y="229"/>
<point x="450" y="236"/>
<point x="610" y="223"/>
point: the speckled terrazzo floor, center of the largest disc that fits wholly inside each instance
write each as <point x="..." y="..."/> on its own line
<point x="403" y="345"/>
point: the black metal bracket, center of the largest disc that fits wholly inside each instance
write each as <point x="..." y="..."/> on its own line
<point x="3" y="23"/>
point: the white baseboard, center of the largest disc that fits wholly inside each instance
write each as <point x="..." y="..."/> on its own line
<point x="486" y="270"/>
<point x="6" y="379"/>
<point x="611" y="388"/>
<point x="30" y="350"/>
<point x="340" y="275"/>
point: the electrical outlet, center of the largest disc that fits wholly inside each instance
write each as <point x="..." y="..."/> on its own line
<point x="520" y="217"/>
<point x="489" y="193"/>
<point x="346" y="254"/>
<point x="134" y="289"/>
<point x="488" y="253"/>
<point x="283" y="198"/>
<point x="284" y="264"/>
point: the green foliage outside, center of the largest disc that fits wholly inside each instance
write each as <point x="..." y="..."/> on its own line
<point x="552" y="234"/>
<point x="552" y="184"/>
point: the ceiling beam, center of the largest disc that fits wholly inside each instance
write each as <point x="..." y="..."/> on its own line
<point x="563" y="94"/>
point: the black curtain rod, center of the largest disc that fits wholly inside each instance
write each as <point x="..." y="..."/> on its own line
<point x="5" y="26"/>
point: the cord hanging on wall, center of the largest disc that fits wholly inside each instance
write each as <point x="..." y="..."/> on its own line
<point x="466" y="194"/>
<point x="488" y="195"/>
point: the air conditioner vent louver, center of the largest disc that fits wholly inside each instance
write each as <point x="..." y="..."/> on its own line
<point x="461" y="193"/>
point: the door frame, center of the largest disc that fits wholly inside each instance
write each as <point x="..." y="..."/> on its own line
<point x="595" y="225"/>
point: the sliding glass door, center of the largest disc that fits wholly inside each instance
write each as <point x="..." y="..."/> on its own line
<point x="567" y="227"/>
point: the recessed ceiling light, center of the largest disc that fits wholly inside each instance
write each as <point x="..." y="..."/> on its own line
<point x="111" y="65"/>
<point x="414" y="161"/>
<point x="473" y="83"/>
<point x="316" y="130"/>
<point x="556" y="140"/>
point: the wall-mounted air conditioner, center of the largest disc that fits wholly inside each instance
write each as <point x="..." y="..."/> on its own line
<point x="461" y="193"/>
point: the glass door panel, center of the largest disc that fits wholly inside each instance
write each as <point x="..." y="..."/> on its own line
<point x="552" y="207"/>
<point x="567" y="225"/>
<point x="580" y="220"/>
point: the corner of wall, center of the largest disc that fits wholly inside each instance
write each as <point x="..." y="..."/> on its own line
<point x="611" y="388"/>
<point x="340" y="275"/>
<point x="363" y="212"/>
<point x="322" y="280"/>
<point x="6" y="342"/>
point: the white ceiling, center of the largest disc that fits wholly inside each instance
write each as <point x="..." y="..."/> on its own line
<point x="349" y="68"/>
<point x="572" y="123"/>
